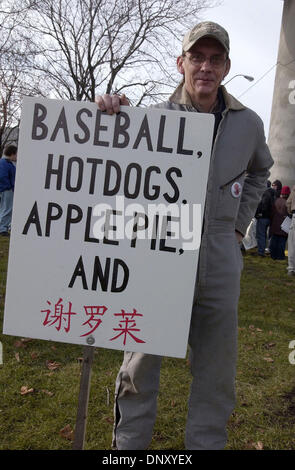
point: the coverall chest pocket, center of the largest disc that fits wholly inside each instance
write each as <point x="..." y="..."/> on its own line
<point x="229" y="198"/>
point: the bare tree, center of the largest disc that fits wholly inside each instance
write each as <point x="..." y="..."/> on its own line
<point x="16" y="81"/>
<point x="16" y="78"/>
<point x="75" y="49"/>
<point x="87" y="47"/>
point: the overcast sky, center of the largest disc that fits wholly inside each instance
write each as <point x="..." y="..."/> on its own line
<point x="254" y="30"/>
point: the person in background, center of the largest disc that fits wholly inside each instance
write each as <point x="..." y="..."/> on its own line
<point x="277" y="186"/>
<point x="291" y="236"/>
<point x="263" y="214"/>
<point x="7" y="178"/>
<point x="278" y="236"/>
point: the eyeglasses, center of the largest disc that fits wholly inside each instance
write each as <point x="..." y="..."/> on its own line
<point x="214" y="60"/>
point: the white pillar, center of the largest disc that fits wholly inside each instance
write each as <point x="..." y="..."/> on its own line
<point x="281" y="138"/>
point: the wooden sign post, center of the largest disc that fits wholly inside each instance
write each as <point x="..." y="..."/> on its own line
<point x="85" y="382"/>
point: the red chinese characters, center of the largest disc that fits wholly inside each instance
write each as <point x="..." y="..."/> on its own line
<point x="94" y="321"/>
<point x="127" y="326"/>
<point x="59" y="315"/>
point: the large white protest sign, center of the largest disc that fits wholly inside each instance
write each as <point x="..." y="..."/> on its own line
<point x="95" y="258"/>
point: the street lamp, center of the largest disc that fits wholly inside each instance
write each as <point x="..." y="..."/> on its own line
<point x="247" y="77"/>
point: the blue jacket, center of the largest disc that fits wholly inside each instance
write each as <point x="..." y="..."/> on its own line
<point x="7" y="175"/>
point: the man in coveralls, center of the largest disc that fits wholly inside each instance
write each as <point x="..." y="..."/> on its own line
<point x="239" y="170"/>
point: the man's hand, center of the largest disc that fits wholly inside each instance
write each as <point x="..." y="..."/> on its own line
<point x="111" y="103"/>
<point x="239" y="236"/>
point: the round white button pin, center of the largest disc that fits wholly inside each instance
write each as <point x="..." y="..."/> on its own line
<point x="236" y="189"/>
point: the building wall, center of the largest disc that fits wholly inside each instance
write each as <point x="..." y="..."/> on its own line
<point x="281" y="138"/>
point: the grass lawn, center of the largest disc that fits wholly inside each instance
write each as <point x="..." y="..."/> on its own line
<point x="39" y="380"/>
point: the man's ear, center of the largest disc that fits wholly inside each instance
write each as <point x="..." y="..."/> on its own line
<point x="179" y="63"/>
<point x="227" y="68"/>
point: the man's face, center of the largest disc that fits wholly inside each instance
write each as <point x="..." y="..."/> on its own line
<point x="13" y="157"/>
<point x="202" y="78"/>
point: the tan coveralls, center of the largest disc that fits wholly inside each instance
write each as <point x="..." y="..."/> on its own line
<point x="239" y="155"/>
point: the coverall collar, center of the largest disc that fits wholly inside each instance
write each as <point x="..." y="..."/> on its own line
<point x="180" y="96"/>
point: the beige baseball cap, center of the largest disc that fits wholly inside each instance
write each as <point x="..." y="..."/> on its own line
<point x="206" y="28"/>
